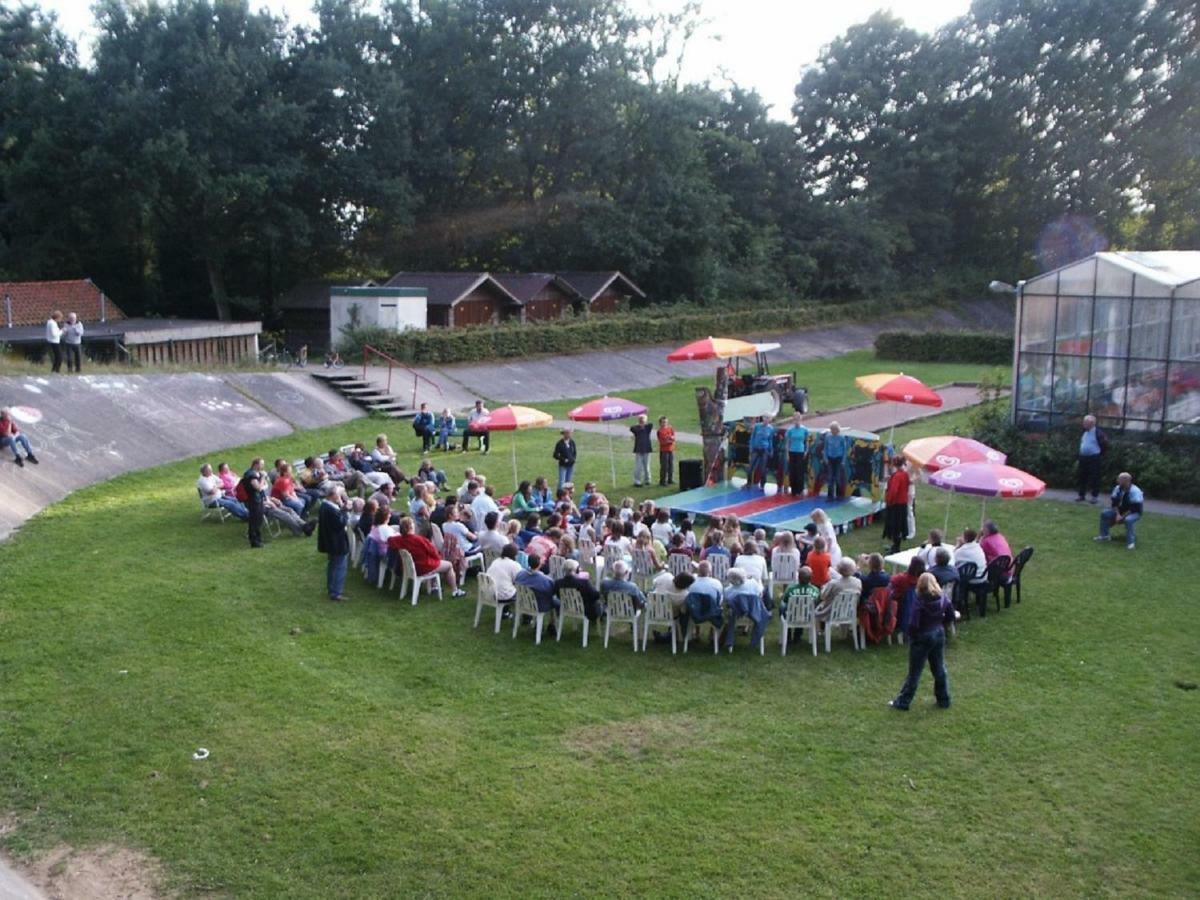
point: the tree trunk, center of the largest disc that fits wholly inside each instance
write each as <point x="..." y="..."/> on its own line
<point x="216" y="283"/>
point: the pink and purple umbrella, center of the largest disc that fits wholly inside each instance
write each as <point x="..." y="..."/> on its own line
<point x="607" y="409"/>
<point x="934" y="453"/>
<point x="988" y="480"/>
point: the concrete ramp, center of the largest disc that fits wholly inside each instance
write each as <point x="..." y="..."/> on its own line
<point x="90" y="428"/>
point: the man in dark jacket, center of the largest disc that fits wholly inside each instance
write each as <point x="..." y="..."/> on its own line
<point x="333" y="541"/>
<point x="253" y="487"/>
<point x="641" y="450"/>
<point x="564" y="455"/>
<point x="422" y="424"/>
<point x="592" y="606"/>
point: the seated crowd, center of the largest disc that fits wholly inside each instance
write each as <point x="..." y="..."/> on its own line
<point x="548" y="540"/>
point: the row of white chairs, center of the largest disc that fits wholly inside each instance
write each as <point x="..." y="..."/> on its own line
<point x="659" y="610"/>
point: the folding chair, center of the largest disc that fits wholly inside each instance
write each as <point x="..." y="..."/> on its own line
<point x="556" y="567"/>
<point x="587" y="556"/>
<point x="997" y="578"/>
<point x="644" y="568"/>
<point x="719" y="563"/>
<point x="678" y="564"/>
<point x="216" y="511"/>
<point x="1018" y="566"/>
<point x="701" y="609"/>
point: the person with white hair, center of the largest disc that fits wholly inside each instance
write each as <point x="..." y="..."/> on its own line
<point x="619" y="583"/>
<point x="72" y="341"/>
<point x="744" y="597"/>
<point x="333" y="541"/>
<point x="1127" y="506"/>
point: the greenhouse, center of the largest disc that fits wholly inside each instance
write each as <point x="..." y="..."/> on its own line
<point x="1116" y="335"/>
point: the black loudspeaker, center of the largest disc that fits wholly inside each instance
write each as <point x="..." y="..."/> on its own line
<point x="691" y="474"/>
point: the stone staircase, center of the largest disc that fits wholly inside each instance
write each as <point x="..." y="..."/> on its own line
<point x="369" y="396"/>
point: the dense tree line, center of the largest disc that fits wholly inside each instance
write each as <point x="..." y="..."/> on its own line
<point x="206" y="156"/>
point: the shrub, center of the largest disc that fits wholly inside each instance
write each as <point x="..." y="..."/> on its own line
<point x="945" y="346"/>
<point x="652" y="325"/>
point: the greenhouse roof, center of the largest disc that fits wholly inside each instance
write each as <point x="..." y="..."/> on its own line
<point x="1169" y="267"/>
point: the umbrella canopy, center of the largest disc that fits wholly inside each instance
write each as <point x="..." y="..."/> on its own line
<point x="512" y="418"/>
<point x="606" y="409"/>
<point x="934" y="453"/>
<point x="986" y="480"/>
<point x="898" y="388"/>
<point x="712" y="348"/>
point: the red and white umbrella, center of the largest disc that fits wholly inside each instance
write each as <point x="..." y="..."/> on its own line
<point x="513" y="418"/>
<point x="896" y="387"/>
<point x="934" y="453"/>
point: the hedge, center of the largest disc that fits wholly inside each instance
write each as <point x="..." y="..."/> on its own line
<point x="653" y="325"/>
<point x="1163" y="467"/>
<point x="945" y="346"/>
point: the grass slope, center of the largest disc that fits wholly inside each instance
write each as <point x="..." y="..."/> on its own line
<point x="373" y="749"/>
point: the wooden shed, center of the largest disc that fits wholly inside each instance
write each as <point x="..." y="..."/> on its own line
<point x="546" y="297"/>
<point x="602" y="292"/>
<point x="459" y="299"/>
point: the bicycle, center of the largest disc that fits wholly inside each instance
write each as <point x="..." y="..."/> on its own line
<point x="334" y="360"/>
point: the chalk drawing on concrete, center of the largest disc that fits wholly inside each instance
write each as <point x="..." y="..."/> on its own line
<point x="26" y="415"/>
<point x="293" y="397"/>
<point x="32" y="388"/>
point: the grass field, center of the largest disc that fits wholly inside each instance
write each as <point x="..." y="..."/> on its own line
<point x="373" y="749"/>
<point x="830" y="383"/>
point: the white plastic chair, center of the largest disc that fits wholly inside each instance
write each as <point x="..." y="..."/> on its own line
<point x="785" y="573"/>
<point x="611" y="553"/>
<point x="526" y="605"/>
<point x="678" y="564"/>
<point x="659" y="611"/>
<point x="489" y="557"/>
<point x="719" y="563"/>
<point x="216" y="511"/>
<point x="572" y="608"/>
<point x="587" y="556"/>
<point x="436" y="538"/>
<point x="644" y="568"/>
<point x="843" y="612"/>
<point x="799" y="614"/>
<point x="410" y="577"/>
<point x="621" y="608"/>
<point x="556" y="567"/>
<point x="487" y="597"/>
<point x="714" y="631"/>
<point x="352" y="537"/>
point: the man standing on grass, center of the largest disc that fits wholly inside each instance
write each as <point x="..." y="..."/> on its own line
<point x="253" y="488"/>
<point x="1092" y="443"/>
<point x="334" y="542"/>
<point x="565" y="453"/>
<point x="641" y="450"/>
<point x="666" y="452"/>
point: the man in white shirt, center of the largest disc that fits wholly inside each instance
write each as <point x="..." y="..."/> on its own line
<point x="504" y="571"/>
<point x="968" y="551"/>
<point x="72" y="341"/>
<point x="481" y="505"/>
<point x="491" y="538"/>
<point x="212" y="493"/>
<point x="753" y="565"/>
<point x="54" y="340"/>
<point x="485" y="438"/>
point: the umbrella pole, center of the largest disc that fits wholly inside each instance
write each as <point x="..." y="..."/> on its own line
<point x="612" y="459"/>
<point x="892" y="434"/>
<point x="982" y="514"/>
<point x="516" y="481"/>
<point x="946" y="524"/>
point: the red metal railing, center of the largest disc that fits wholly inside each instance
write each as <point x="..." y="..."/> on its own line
<point x="369" y="351"/>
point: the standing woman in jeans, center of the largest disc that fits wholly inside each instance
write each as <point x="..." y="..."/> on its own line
<point x="927" y="623"/>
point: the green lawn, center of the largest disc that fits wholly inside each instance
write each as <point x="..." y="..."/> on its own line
<point x="373" y="749"/>
<point x="830" y="383"/>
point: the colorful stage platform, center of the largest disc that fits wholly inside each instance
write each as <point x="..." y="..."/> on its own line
<point x="757" y="509"/>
